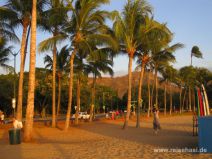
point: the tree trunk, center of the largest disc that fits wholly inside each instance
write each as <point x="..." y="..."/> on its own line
<point x="31" y="87"/>
<point x="180" y="99"/>
<point x="156" y="87"/>
<point x="68" y="114"/>
<point x="54" y="86"/>
<point x="140" y="95"/>
<point x="165" y="98"/>
<point x="170" y="87"/>
<point x="183" y="104"/>
<point x="129" y="92"/>
<point x="149" y="96"/>
<point x="78" y="101"/>
<point x="21" y="75"/>
<point x="59" y="95"/>
<point x="152" y="96"/>
<point x="189" y="91"/>
<point x="92" y="99"/>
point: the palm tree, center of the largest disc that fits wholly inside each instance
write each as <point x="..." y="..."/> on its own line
<point x="127" y="30"/>
<point x="80" y="72"/>
<point x="18" y="13"/>
<point x="30" y="100"/>
<point x="195" y="51"/>
<point x="4" y="53"/>
<point x="87" y="26"/>
<point x="162" y="54"/>
<point x="98" y="62"/>
<point x="53" y="20"/>
<point x="62" y="66"/>
<point x="152" y="32"/>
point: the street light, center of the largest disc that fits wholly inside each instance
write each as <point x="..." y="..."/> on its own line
<point x="15" y="54"/>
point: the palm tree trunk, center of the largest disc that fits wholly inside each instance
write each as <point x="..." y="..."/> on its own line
<point x="170" y="87"/>
<point x="180" y="99"/>
<point x="165" y="98"/>
<point x="78" y="101"/>
<point x="54" y="86"/>
<point x="140" y="95"/>
<point x="189" y="90"/>
<point x="31" y="87"/>
<point x="21" y="76"/>
<point x="149" y="96"/>
<point x="26" y="46"/>
<point x="152" y="96"/>
<point x="156" y="87"/>
<point x="92" y="99"/>
<point x="129" y="92"/>
<point x="68" y="114"/>
<point x="59" y="95"/>
<point x="183" y="104"/>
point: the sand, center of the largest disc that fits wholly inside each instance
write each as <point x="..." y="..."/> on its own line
<point x="105" y="140"/>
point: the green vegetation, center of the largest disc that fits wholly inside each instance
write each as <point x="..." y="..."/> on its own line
<point x="71" y="74"/>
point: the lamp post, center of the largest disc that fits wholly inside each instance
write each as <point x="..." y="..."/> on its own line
<point x="14" y="86"/>
<point x="15" y="54"/>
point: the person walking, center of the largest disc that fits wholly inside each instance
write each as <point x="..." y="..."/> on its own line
<point x="156" y="123"/>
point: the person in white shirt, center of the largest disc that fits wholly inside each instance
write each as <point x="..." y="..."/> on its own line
<point x="17" y="124"/>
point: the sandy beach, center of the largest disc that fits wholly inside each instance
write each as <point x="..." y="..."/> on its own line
<point x="105" y="139"/>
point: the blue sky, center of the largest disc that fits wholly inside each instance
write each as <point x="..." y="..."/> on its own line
<point x="189" y="20"/>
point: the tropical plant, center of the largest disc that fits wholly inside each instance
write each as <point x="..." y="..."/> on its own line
<point x="57" y="10"/>
<point x="98" y="62"/>
<point x="195" y="51"/>
<point x="17" y="13"/>
<point x="127" y="29"/>
<point x="62" y="58"/>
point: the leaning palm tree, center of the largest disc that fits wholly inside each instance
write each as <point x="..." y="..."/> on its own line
<point x="18" y="13"/>
<point x="195" y="51"/>
<point x="127" y="30"/>
<point x="53" y="20"/>
<point x="31" y="88"/>
<point x="61" y="68"/>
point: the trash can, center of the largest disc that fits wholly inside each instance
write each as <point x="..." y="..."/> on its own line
<point x="15" y="136"/>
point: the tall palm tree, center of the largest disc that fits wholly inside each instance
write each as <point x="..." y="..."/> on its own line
<point x="87" y="26"/>
<point x="62" y="67"/>
<point x="98" y="62"/>
<point x="162" y="55"/>
<point x="80" y="72"/>
<point x="127" y="30"/>
<point x="152" y="33"/>
<point x="53" y="20"/>
<point x="18" y="13"/>
<point x="31" y="86"/>
<point x="195" y="51"/>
